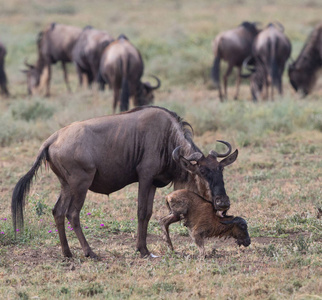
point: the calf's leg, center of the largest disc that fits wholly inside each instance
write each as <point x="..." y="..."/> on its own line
<point x="165" y="222"/>
<point x="200" y="244"/>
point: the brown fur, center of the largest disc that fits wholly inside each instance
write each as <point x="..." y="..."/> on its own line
<point x="200" y="218"/>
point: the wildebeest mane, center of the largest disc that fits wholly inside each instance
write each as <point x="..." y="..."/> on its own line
<point x="250" y="27"/>
<point x="181" y="134"/>
<point x="122" y="36"/>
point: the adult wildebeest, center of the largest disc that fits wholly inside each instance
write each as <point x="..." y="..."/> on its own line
<point x="122" y="67"/>
<point x="303" y="72"/>
<point x="148" y="145"/>
<point x="55" y="43"/>
<point x="233" y="46"/>
<point x="87" y="52"/>
<point x="271" y="50"/>
<point x="3" y="77"/>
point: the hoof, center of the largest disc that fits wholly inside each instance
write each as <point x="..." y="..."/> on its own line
<point x="91" y="254"/>
<point x="67" y="254"/>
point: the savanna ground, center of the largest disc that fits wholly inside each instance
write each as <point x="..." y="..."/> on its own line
<point x="275" y="183"/>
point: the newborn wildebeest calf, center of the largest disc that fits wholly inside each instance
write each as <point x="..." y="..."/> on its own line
<point x="202" y="220"/>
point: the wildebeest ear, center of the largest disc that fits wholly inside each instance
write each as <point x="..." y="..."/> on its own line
<point x="229" y="160"/>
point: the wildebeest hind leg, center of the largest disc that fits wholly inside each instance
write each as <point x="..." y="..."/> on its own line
<point x="59" y="212"/>
<point x="77" y="202"/>
<point x="66" y="77"/>
<point x="229" y="69"/>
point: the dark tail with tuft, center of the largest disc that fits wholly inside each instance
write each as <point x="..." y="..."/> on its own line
<point x="125" y="94"/>
<point x="215" y="71"/>
<point x="22" y="189"/>
<point x="275" y="70"/>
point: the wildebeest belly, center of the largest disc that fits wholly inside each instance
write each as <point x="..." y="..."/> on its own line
<point x="109" y="183"/>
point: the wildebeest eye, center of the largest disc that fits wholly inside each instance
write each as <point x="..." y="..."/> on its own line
<point x="203" y="171"/>
<point x="243" y="226"/>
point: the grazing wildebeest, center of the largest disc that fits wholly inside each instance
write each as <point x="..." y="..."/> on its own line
<point x="122" y="67"/>
<point x="303" y="72"/>
<point x="3" y="77"/>
<point x="202" y="220"/>
<point x="149" y="145"/>
<point x="233" y="46"/>
<point x="87" y="52"/>
<point x="55" y="43"/>
<point x="271" y="50"/>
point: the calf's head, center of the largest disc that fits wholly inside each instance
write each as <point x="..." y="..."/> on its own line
<point x="239" y="231"/>
<point x="208" y="172"/>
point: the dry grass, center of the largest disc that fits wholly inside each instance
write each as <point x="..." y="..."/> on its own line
<point x="275" y="183"/>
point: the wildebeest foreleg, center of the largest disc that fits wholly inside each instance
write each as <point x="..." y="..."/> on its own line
<point x="145" y="206"/>
<point x="48" y="81"/>
<point x="165" y="222"/>
<point x="229" y="69"/>
<point x="66" y="76"/>
<point x="59" y="212"/>
<point x="80" y="75"/>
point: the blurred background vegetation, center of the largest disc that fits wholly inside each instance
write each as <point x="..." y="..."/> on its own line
<point x="175" y="39"/>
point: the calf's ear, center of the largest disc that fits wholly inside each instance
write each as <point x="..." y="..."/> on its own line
<point x="187" y="165"/>
<point x="229" y="160"/>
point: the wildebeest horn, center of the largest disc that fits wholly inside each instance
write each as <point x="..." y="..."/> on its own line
<point x="28" y="65"/>
<point x="158" y="82"/>
<point x="279" y="25"/>
<point x="248" y="67"/>
<point x="215" y="154"/>
<point x="193" y="157"/>
<point x="246" y="64"/>
<point x="176" y="154"/>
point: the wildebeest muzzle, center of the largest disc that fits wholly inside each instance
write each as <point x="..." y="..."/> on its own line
<point x="221" y="202"/>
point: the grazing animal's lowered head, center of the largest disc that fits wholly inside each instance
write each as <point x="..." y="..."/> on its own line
<point x="304" y="71"/>
<point x="202" y="220"/>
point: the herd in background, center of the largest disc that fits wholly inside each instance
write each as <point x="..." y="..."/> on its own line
<point x="97" y="56"/>
<point x="116" y="62"/>
<point x="264" y="53"/>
